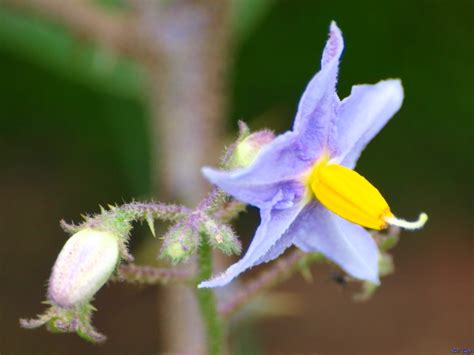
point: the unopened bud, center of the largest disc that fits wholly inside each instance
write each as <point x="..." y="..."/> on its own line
<point x="246" y="151"/>
<point x="180" y="242"/>
<point x="83" y="266"/>
<point x="222" y="237"/>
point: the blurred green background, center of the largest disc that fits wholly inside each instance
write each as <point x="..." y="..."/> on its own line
<point x="74" y="134"/>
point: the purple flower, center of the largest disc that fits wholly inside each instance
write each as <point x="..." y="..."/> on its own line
<point x="303" y="182"/>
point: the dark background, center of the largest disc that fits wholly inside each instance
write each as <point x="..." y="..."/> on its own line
<point x="73" y="136"/>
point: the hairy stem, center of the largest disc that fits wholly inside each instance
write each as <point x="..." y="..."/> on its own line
<point x="277" y="273"/>
<point x="147" y="275"/>
<point x="229" y="210"/>
<point x="133" y="211"/>
<point x="207" y="302"/>
<point x="169" y="212"/>
<point x="90" y="22"/>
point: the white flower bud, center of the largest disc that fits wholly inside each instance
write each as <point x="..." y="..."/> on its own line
<point x="83" y="266"/>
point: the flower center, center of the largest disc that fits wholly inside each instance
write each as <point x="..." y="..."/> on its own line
<point x="349" y="195"/>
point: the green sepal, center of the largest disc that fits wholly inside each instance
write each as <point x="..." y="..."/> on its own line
<point x="386" y="267"/>
<point x="67" y="320"/>
<point x="388" y="242"/>
<point x="180" y="243"/>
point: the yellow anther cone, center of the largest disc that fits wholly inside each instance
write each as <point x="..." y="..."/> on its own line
<point x="349" y="195"/>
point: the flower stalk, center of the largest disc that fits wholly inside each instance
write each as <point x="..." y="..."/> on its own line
<point x="148" y="275"/>
<point x="280" y="271"/>
<point x="206" y="300"/>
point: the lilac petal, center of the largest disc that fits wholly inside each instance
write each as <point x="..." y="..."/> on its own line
<point x="275" y="171"/>
<point x="362" y="115"/>
<point x="347" y="244"/>
<point x="262" y="249"/>
<point x="317" y="107"/>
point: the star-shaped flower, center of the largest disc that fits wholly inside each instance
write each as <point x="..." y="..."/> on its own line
<point x="303" y="182"/>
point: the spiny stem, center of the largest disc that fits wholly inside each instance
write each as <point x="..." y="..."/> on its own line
<point x="140" y="210"/>
<point x="133" y="211"/>
<point x="213" y="201"/>
<point x="278" y="272"/>
<point x="221" y="206"/>
<point x="148" y="275"/>
<point x="229" y="210"/>
<point x="207" y="302"/>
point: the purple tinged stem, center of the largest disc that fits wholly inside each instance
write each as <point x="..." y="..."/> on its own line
<point x="278" y="272"/>
<point x="148" y="275"/>
<point x="163" y="211"/>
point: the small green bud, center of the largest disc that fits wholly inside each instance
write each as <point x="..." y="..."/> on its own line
<point x="175" y="251"/>
<point x="180" y="243"/>
<point x="247" y="150"/>
<point x="221" y="237"/>
<point x="83" y="266"/>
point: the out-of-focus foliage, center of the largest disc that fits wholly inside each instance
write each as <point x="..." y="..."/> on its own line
<point x="55" y="49"/>
<point x="246" y="15"/>
<point x="60" y="89"/>
<point x="105" y="91"/>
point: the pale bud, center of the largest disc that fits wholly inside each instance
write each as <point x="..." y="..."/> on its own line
<point x="83" y="266"/>
<point x="247" y="150"/>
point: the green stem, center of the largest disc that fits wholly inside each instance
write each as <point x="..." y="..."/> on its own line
<point x="207" y="302"/>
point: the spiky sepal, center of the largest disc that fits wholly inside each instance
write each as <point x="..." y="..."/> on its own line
<point x="77" y="319"/>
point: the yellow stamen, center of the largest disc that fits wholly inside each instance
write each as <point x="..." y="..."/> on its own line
<point x="351" y="196"/>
